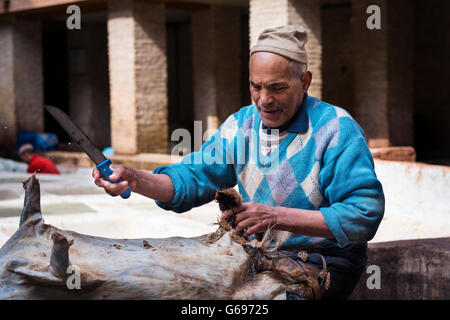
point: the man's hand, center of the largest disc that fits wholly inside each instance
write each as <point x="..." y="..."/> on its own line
<point x="127" y="174"/>
<point x="253" y="217"/>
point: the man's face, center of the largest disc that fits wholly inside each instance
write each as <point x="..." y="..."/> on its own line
<point x="26" y="157"/>
<point x="276" y="92"/>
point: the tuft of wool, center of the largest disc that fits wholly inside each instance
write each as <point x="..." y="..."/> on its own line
<point x="228" y="198"/>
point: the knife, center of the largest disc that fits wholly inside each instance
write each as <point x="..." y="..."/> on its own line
<point x="78" y="136"/>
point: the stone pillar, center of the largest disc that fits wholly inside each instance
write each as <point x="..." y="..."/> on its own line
<point x="28" y="75"/>
<point x="21" y="84"/>
<point x="268" y="13"/>
<point x="383" y="73"/>
<point x="307" y="14"/>
<point x="401" y="72"/>
<point x="88" y="78"/>
<point x="7" y="110"/>
<point x="138" y="76"/>
<point x="371" y="73"/>
<point x="216" y="64"/>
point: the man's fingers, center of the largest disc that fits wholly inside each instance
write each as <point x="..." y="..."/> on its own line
<point x="226" y="214"/>
<point x="243" y="215"/>
<point x="95" y="173"/>
<point x="113" y="189"/>
<point x="229" y="212"/>
<point x="252" y="230"/>
<point x="116" y="188"/>
<point x="117" y="173"/>
<point x="247" y="223"/>
<point x="101" y="182"/>
<point x="98" y="183"/>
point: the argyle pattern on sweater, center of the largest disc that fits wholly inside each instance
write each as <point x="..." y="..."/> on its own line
<point x="323" y="164"/>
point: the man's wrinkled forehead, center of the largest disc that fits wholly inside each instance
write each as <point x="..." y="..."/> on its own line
<point x="270" y="66"/>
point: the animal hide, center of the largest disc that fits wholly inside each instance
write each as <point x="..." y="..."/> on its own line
<point x="42" y="262"/>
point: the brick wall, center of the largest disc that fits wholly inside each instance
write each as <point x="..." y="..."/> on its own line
<point x="307" y="14"/>
<point x="124" y="133"/>
<point x="151" y="76"/>
<point x="228" y="67"/>
<point x="400" y="72"/>
<point x="21" y="84"/>
<point x="180" y="79"/>
<point x="216" y="64"/>
<point x="89" y="88"/>
<point x="384" y="74"/>
<point x="371" y="73"/>
<point x="7" y="110"/>
<point x="28" y="72"/>
<point x="267" y="13"/>
<point x="138" y="76"/>
<point x="204" y="56"/>
<point x="337" y="56"/>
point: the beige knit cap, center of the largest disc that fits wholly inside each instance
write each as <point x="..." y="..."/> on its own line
<point x="25" y="147"/>
<point x="288" y="41"/>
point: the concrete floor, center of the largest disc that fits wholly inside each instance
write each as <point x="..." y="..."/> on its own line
<point x="72" y="201"/>
<point x="417" y="206"/>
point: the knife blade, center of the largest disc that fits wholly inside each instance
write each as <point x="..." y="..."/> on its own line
<point x="80" y="138"/>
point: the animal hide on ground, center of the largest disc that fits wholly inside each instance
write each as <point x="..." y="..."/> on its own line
<point x="42" y="262"/>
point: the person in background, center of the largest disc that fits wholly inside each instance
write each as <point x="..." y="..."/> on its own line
<point x="36" y="163"/>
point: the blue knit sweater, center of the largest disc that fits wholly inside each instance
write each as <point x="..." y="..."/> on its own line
<point x="323" y="164"/>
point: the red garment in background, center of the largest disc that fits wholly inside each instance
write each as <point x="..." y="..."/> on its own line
<point x="41" y="165"/>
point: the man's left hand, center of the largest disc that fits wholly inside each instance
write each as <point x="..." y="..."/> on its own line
<point x="252" y="217"/>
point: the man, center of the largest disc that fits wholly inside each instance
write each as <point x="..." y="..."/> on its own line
<point x="302" y="166"/>
<point x="36" y="163"/>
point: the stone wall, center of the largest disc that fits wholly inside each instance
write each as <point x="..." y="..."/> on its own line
<point x="228" y="67"/>
<point x="337" y="56"/>
<point x="267" y="13"/>
<point x="383" y="61"/>
<point x="371" y="73"/>
<point x="7" y="111"/>
<point x="400" y="72"/>
<point x="410" y="269"/>
<point x="216" y="64"/>
<point x="180" y="75"/>
<point x="138" y="76"/>
<point x="307" y="14"/>
<point x="28" y="73"/>
<point x="89" y="87"/>
<point x="21" y="84"/>
<point x="416" y="200"/>
<point x="204" y="61"/>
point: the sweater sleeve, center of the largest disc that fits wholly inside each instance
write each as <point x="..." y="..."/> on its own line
<point x="199" y="175"/>
<point x="355" y="195"/>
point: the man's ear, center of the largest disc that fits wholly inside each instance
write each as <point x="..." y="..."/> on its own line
<point x="306" y="80"/>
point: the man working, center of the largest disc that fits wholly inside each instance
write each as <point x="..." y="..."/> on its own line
<point x="36" y="163"/>
<point x="302" y="166"/>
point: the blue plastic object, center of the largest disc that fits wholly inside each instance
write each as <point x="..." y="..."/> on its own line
<point x="108" y="151"/>
<point x="106" y="171"/>
<point x="40" y="141"/>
